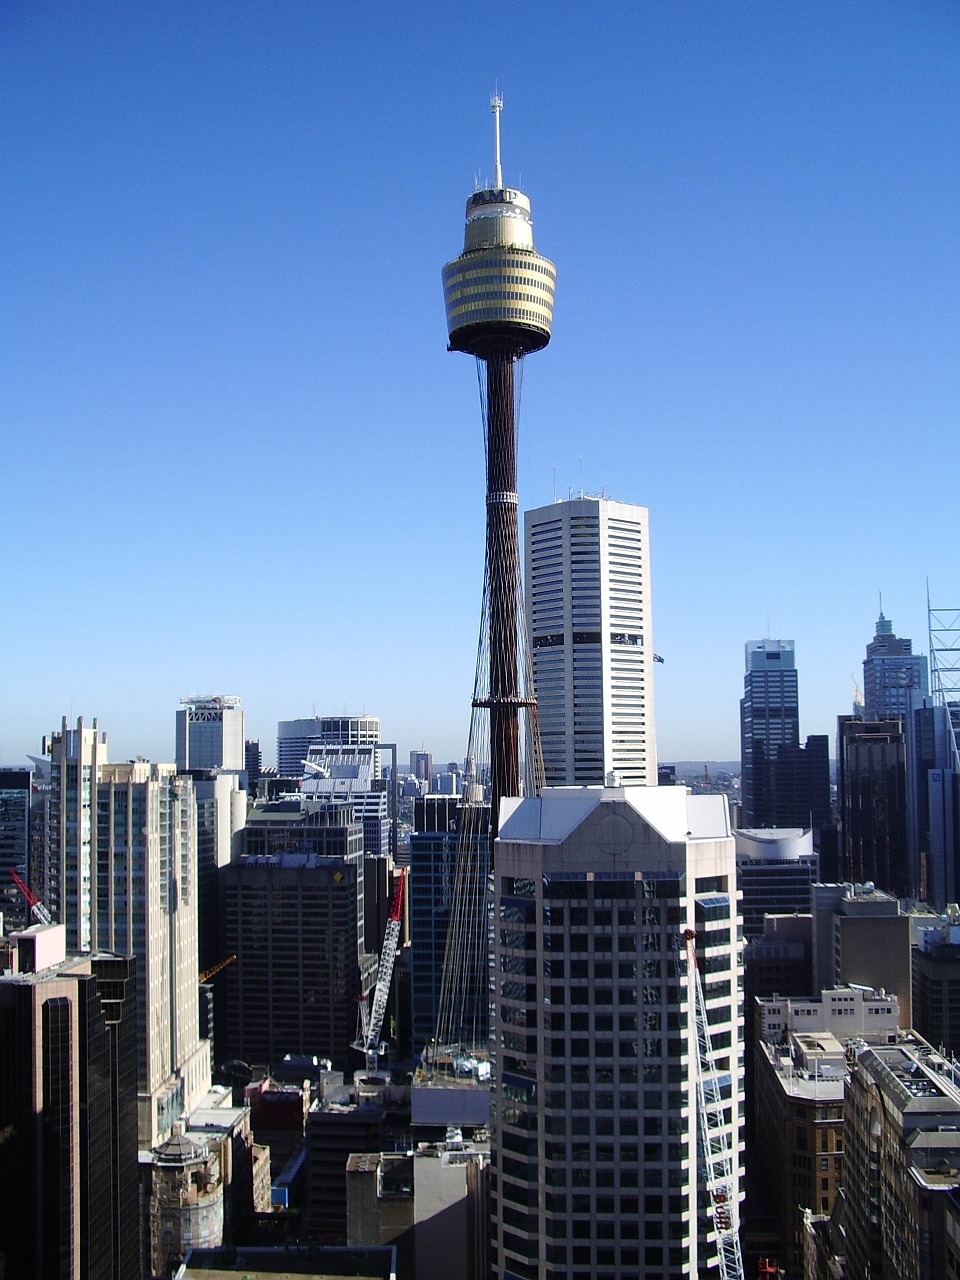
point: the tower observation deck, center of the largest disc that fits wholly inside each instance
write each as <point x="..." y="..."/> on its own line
<point x="499" y="302"/>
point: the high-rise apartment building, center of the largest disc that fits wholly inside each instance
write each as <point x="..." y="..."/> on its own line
<point x="68" y="1113"/>
<point x="14" y="845"/>
<point x="587" y="589"/>
<point x="295" y="738"/>
<point x="210" y="733"/>
<point x="145" y="904"/>
<point x="123" y="878"/>
<point x="872" y="800"/>
<point x="76" y="758"/>
<point x="891" y="672"/>
<point x="595" y="1132"/>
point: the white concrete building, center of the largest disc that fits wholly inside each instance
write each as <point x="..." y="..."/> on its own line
<point x="123" y="878"/>
<point x="210" y="733"/>
<point x="587" y="583"/>
<point x="595" y="1134"/>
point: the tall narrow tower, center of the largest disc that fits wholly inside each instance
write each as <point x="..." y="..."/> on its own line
<point x="499" y="303"/>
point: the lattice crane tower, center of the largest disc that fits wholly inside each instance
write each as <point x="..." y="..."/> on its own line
<point x="499" y="302"/>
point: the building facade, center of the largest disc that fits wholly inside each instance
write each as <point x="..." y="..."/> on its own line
<point x="14" y="845"/>
<point x="775" y="869"/>
<point x="296" y="737"/>
<point x="800" y="1075"/>
<point x="68" y="1113"/>
<point x="76" y="758"/>
<point x="891" y="673"/>
<point x="146" y="899"/>
<point x="294" y="919"/>
<point x="861" y="936"/>
<point x="595" y="1149"/>
<point x="590" y="627"/>
<point x="784" y="784"/>
<point x="210" y="733"/>
<point x="872" y="799"/>
<point x="902" y="1154"/>
<point x="936" y="984"/>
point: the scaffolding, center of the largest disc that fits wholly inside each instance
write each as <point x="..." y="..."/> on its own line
<point x="944" y="633"/>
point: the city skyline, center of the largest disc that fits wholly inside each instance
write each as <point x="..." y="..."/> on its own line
<point x="192" y="412"/>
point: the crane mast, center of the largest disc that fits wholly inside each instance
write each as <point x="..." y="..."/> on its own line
<point x="368" y="1042"/>
<point x="711" y="1132"/>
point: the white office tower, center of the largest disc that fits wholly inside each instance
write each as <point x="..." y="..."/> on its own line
<point x="210" y="733"/>
<point x="587" y="583"/>
<point x="594" y="1031"/>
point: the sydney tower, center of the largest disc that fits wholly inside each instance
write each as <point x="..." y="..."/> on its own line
<point x="499" y="301"/>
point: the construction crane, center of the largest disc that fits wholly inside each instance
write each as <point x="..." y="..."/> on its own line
<point x="371" y="1020"/>
<point x="215" y="969"/>
<point x="36" y="906"/>
<point x="711" y="1131"/>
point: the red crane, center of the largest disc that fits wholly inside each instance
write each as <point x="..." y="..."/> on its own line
<point x="34" y="903"/>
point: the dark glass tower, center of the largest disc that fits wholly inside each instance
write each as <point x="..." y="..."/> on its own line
<point x="68" y="1114"/>
<point x="769" y="730"/>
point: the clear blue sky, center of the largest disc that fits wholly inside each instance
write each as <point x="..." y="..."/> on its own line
<point x="237" y="456"/>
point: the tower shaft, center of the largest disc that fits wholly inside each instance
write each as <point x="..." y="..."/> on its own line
<point x="503" y="560"/>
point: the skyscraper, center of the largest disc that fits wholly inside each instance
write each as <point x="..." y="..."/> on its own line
<point x="872" y="799"/>
<point x="784" y="784"/>
<point x="210" y="733"/>
<point x="587" y="565"/>
<point x="891" y="670"/>
<point x="595" y="1150"/>
<point x="145" y="904"/>
<point x="68" y="1113"/>
<point x="769" y="727"/>
<point x="293" y="915"/>
<point x="123" y="879"/>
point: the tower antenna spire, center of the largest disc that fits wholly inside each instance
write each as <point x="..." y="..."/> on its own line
<point x="496" y="106"/>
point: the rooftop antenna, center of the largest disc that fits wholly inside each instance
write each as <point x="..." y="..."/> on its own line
<point x="581" y="475"/>
<point x="496" y="106"/>
<point x="554" y="484"/>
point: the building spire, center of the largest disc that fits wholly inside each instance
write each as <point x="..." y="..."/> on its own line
<point x="496" y="106"/>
